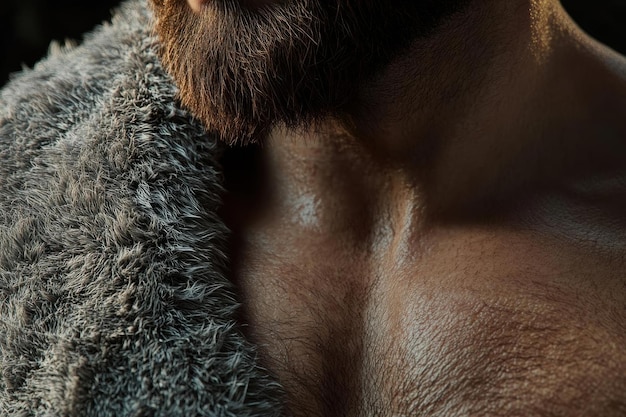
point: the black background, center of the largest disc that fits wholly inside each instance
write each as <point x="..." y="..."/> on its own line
<point x="28" y="26"/>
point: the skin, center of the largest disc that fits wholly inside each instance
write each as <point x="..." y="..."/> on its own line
<point x="454" y="244"/>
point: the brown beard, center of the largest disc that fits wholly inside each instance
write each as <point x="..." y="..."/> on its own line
<point x="241" y="71"/>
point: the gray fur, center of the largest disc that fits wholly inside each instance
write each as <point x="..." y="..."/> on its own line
<point x="113" y="295"/>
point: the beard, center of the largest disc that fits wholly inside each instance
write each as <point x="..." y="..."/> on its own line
<point x="243" y="70"/>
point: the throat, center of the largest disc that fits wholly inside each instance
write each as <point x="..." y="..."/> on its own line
<point x="302" y="265"/>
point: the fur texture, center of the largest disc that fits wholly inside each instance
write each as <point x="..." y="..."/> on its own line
<point x="113" y="295"/>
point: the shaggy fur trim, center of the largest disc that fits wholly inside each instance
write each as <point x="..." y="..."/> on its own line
<point x="113" y="296"/>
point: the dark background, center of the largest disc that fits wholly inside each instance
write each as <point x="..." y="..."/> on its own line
<point x="28" y="26"/>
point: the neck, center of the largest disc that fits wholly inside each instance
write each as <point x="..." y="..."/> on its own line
<point x="492" y="51"/>
<point x="463" y="120"/>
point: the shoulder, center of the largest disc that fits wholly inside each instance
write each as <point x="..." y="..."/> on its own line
<point x="90" y="129"/>
<point x="103" y="109"/>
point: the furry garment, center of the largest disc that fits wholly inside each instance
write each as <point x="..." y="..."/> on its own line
<point x="114" y="299"/>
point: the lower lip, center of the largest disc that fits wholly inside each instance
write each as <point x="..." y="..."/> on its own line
<point x="196" y="5"/>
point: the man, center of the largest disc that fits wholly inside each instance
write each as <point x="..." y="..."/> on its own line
<point x="427" y="217"/>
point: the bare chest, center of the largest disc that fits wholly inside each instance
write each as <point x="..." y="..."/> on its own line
<point x="485" y="325"/>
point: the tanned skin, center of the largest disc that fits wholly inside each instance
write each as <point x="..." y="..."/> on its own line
<point x="453" y="241"/>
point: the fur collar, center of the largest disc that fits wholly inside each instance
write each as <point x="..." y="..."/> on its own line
<point x="113" y="295"/>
